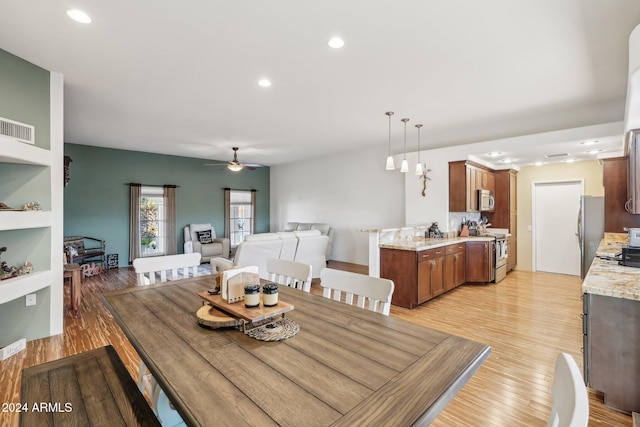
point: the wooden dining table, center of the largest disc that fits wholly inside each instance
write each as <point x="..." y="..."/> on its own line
<point x="346" y="366"/>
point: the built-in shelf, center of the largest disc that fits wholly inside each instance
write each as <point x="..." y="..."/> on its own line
<point x="17" y="287"/>
<point x="20" y="220"/>
<point x="12" y="151"/>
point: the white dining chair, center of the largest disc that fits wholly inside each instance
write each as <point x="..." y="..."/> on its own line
<point x="570" y="399"/>
<point x="148" y="270"/>
<point x="358" y="289"/>
<point x="290" y="273"/>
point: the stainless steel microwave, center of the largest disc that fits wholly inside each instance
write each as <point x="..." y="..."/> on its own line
<point x="486" y="201"/>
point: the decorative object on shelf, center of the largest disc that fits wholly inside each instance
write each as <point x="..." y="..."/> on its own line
<point x="404" y="166"/>
<point x="390" y="166"/>
<point x="67" y="177"/>
<point x="25" y="269"/>
<point x="6" y="271"/>
<point x="4" y="207"/>
<point x="32" y="206"/>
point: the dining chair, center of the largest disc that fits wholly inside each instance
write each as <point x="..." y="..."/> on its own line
<point x="570" y="399"/>
<point x="290" y="273"/>
<point x="146" y="270"/>
<point x="358" y="289"/>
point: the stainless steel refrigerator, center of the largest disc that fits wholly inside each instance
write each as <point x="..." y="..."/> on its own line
<point x="590" y="229"/>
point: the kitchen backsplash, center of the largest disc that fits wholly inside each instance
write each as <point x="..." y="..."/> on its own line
<point x="455" y="219"/>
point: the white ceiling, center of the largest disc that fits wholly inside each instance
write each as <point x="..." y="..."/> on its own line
<point x="181" y="77"/>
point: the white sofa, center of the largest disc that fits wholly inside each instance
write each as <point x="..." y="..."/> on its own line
<point x="308" y="247"/>
<point x="325" y="230"/>
<point x="219" y="246"/>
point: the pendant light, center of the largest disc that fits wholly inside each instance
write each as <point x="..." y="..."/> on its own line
<point x="404" y="167"/>
<point x="419" y="168"/>
<point x="390" y="166"/>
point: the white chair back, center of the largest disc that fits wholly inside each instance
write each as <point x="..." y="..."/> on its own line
<point x="570" y="399"/>
<point x="147" y="268"/>
<point x="358" y="289"/>
<point x="290" y="273"/>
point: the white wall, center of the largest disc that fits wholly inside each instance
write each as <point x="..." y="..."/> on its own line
<point x="347" y="191"/>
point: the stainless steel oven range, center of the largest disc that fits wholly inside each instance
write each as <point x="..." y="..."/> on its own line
<point x="502" y="254"/>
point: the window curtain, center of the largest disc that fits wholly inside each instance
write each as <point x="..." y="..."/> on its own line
<point x="135" y="251"/>
<point x="253" y="211"/>
<point x="169" y="194"/>
<point x="227" y="213"/>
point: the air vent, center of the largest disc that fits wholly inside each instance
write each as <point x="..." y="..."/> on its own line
<point x="18" y="131"/>
<point x="556" y="156"/>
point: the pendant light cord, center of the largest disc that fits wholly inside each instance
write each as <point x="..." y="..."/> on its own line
<point x="404" y="157"/>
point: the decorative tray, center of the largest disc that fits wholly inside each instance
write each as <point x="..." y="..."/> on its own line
<point x="250" y="316"/>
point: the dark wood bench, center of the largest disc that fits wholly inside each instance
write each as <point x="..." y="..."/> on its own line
<point x="84" y="250"/>
<point x="91" y="388"/>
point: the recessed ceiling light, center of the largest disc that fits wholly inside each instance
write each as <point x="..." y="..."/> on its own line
<point x="494" y="154"/>
<point x="336" y="43"/>
<point x="570" y="160"/>
<point x="264" y="82"/>
<point x="589" y="142"/>
<point x="78" y="16"/>
<point x="538" y="163"/>
<point x="506" y="160"/>
<point x="594" y="151"/>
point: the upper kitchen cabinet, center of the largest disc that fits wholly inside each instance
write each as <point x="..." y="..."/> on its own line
<point x="615" y="177"/>
<point x="465" y="179"/>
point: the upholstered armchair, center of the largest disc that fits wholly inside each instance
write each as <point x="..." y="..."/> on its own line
<point x="201" y="238"/>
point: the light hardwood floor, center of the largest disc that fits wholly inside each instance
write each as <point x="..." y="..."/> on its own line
<point x="526" y="319"/>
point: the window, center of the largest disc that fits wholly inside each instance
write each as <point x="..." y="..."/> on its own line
<point x="240" y="215"/>
<point x="152" y="222"/>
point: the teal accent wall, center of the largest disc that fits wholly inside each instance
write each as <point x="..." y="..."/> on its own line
<point x="25" y="97"/>
<point x="96" y="200"/>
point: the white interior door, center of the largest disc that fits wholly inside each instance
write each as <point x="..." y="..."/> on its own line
<point x="555" y="213"/>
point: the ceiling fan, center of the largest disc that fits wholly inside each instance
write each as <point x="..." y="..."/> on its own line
<point x="234" y="165"/>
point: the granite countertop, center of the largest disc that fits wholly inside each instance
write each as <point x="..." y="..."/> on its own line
<point x="608" y="278"/>
<point x="421" y="243"/>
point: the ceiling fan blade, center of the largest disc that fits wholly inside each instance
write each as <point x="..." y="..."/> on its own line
<point x="216" y="164"/>
<point x="253" y="165"/>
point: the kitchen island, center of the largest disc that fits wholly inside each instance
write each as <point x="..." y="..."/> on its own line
<point x="611" y="326"/>
<point x="423" y="268"/>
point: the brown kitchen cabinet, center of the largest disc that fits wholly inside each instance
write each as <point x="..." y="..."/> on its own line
<point x="430" y="274"/>
<point x="454" y="266"/>
<point x="611" y="348"/>
<point x="480" y="261"/>
<point x="505" y="214"/>
<point x="417" y="276"/>
<point x="615" y="176"/>
<point x="465" y="179"/>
